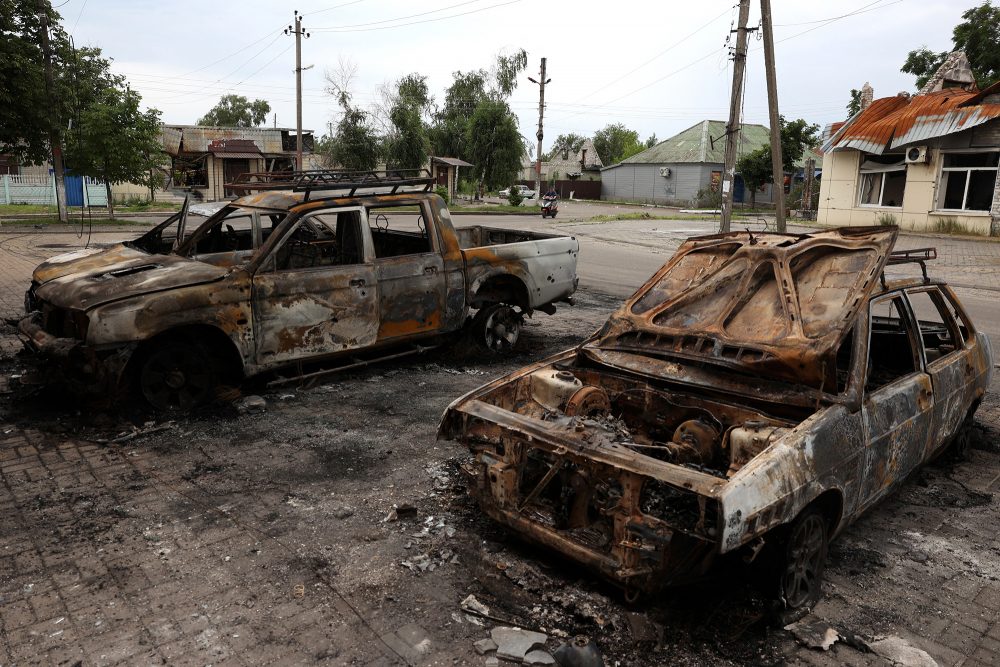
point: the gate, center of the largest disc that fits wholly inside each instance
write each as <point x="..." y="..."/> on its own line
<point x="74" y="190"/>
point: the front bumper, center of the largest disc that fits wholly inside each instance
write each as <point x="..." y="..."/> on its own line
<point x="71" y="361"/>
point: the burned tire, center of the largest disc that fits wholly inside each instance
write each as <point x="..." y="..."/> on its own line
<point x="802" y="559"/>
<point x="176" y="375"/>
<point x="496" y="328"/>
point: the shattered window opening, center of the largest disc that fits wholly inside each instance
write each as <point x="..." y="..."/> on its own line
<point x="890" y="345"/>
<point x="329" y="238"/>
<point x="968" y="181"/>
<point x="938" y="330"/>
<point x="399" y="230"/>
<point x="883" y="181"/>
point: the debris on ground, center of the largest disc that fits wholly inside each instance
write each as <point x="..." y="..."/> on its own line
<point x="250" y="404"/>
<point x="814" y="634"/>
<point x="898" y="651"/>
<point x="515" y="643"/>
<point x="580" y="652"/>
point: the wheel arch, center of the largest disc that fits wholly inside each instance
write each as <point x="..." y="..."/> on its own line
<point x="216" y="341"/>
<point x="501" y="288"/>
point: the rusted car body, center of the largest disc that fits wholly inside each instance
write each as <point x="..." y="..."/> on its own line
<point x="286" y="276"/>
<point x="759" y="391"/>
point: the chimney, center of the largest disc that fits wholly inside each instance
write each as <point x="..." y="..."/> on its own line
<point x="867" y="95"/>
<point x="583" y="157"/>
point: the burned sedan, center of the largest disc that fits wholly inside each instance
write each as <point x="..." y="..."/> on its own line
<point x="753" y="398"/>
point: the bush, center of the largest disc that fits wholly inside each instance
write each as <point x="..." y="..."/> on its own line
<point x="442" y="192"/>
<point x="951" y="225"/>
<point x="885" y="219"/>
<point x="515" y="198"/>
<point x="708" y="198"/>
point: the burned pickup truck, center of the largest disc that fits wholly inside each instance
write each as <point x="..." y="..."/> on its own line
<point x="318" y="265"/>
<point x="753" y="398"/>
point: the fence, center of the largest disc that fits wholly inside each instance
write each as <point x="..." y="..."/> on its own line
<point x="80" y="190"/>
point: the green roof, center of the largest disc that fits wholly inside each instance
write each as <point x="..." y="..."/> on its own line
<point x="704" y="142"/>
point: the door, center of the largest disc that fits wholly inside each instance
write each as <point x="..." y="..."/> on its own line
<point x="231" y="168"/>
<point x="409" y="269"/>
<point x="899" y="399"/>
<point x="947" y="362"/>
<point x="74" y="190"/>
<point x="316" y="293"/>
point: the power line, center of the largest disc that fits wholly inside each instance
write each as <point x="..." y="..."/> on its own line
<point x="401" y="18"/>
<point x="403" y="25"/>
<point x="234" y="53"/>
<point x="77" y="22"/>
<point x="329" y="9"/>
<point x="829" y="18"/>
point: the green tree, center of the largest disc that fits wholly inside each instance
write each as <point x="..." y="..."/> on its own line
<point x="447" y="134"/>
<point x="408" y="145"/>
<point x="495" y="144"/>
<point x="755" y="168"/>
<point x="616" y="142"/>
<point x="854" y="105"/>
<point x="115" y="141"/>
<point x="978" y="35"/>
<point x="651" y="141"/>
<point x="236" y="111"/>
<point x="569" y="144"/>
<point x="922" y="63"/>
<point x="356" y="145"/>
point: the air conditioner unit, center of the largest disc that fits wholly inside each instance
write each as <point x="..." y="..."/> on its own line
<point x="916" y="155"/>
<point x="665" y="172"/>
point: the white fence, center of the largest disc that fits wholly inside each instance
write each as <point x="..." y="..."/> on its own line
<point x="42" y="190"/>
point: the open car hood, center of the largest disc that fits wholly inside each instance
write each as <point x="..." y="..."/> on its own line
<point x="772" y="305"/>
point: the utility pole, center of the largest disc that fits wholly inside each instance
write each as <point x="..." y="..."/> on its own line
<point x="298" y="32"/>
<point x="777" y="165"/>
<point x="735" y="111"/>
<point x="541" y="113"/>
<point x="55" y="142"/>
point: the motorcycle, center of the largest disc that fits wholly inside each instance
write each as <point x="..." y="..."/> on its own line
<point x="550" y="206"/>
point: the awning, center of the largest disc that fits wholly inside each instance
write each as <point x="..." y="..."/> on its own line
<point x="252" y="156"/>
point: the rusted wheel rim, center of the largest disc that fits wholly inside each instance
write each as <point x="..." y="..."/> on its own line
<point x="502" y="329"/>
<point x="175" y="379"/>
<point x="804" y="565"/>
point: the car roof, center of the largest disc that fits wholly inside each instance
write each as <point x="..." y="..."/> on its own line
<point x="286" y="200"/>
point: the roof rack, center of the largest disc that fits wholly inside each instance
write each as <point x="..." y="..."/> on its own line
<point x="315" y="180"/>
<point x="915" y="256"/>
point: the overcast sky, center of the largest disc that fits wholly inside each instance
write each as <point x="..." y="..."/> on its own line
<point x="658" y="67"/>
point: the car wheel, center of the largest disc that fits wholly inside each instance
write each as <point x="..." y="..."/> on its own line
<point x="803" y="560"/>
<point x="176" y="376"/>
<point x="496" y="328"/>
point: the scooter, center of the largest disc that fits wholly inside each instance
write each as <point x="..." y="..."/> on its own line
<point x="550" y="206"/>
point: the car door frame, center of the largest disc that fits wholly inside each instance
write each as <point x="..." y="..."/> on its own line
<point x="896" y="416"/>
<point x="412" y="288"/>
<point x="951" y="374"/>
<point x="302" y="314"/>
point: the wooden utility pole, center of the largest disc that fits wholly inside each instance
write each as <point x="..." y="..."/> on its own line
<point x="55" y="141"/>
<point x="735" y="111"/>
<point x="298" y="32"/>
<point x="777" y="164"/>
<point x="541" y="114"/>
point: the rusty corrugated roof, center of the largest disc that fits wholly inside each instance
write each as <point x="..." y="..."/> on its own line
<point x="892" y="122"/>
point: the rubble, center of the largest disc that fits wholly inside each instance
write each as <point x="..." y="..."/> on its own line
<point x="814" y="634"/>
<point x="515" y="643"/>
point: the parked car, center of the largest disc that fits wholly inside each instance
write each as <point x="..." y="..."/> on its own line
<point x="754" y="397"/>
<point x="314" y="268"/>
<point x="524" y="190"/>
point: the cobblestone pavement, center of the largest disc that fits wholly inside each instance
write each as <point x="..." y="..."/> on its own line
<point x="222" y="542"/>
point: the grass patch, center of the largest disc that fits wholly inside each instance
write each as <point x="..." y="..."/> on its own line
<point x="73" y="220"/>
<point x="645" y="215"/>
<point x="885" y="219"/>
<point x="950" y="225"/>
<point x="495" y="208"/>
<point x="14" y="209"/>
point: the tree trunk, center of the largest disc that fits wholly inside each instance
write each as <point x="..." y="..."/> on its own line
<point x="111" y="201"/>
<point x="753" y="198"/>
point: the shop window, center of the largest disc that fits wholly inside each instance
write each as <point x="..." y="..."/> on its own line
<point x="968" y="181"/>
<point x="883" y="180"/>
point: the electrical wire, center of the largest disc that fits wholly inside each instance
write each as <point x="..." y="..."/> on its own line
<point x="830" y="18"/>
<point x="403" y="25"/>
<point x="401" y="18"/>
<point x="77" y="22"/>
<point x="328" y="9"/>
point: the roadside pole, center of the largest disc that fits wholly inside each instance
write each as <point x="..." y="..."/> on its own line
<point x="55" y="142"/>
<point x="299" y="32"/>
<point x="807" y="187"/>
<point x="735" y="111"/>
<point x="541" y="114"/>
<point x="777" y="165"/>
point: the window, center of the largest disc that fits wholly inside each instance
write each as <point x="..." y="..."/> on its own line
<point x="937" y="327"/>
<point x="968" y="181"/>
<point x="883" y="180"/>
<point x="332" y="238"/>
<point x="399" y="230"/>
<point x="890" y="346"/>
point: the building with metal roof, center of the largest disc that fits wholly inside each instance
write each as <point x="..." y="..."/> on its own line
<point x="925" y="162"/>
<point x="674" y="171"/>
<point x="203" y="159"/>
